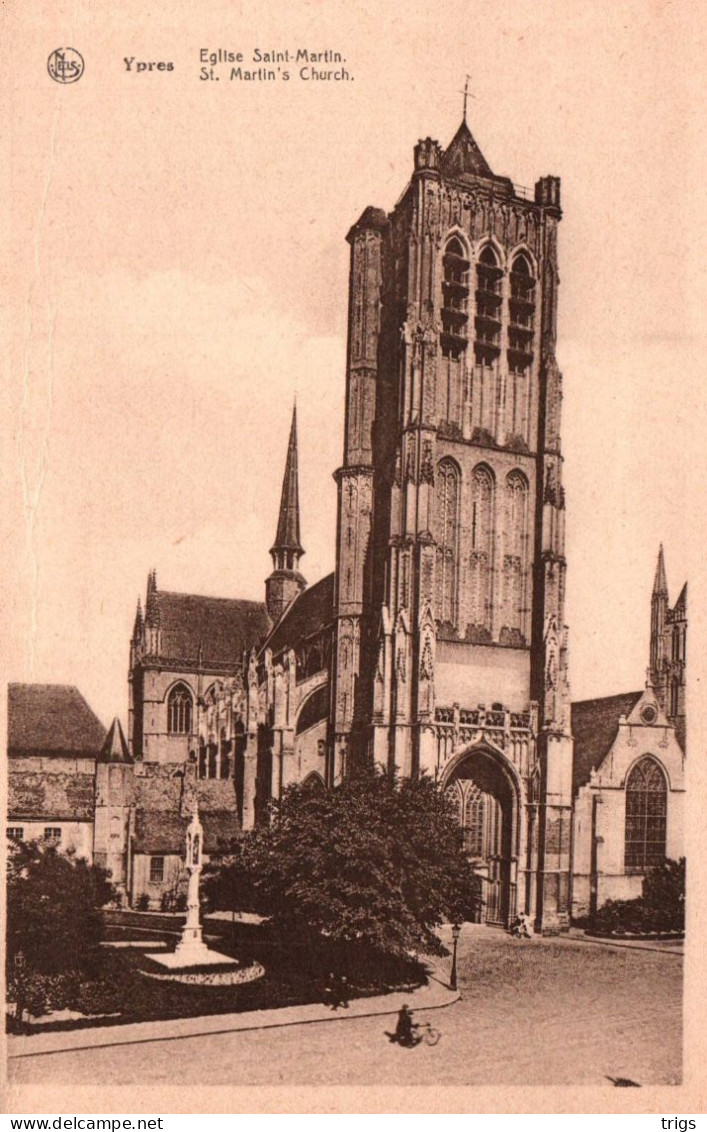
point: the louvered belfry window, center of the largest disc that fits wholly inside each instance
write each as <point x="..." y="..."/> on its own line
<point x="646" y="811"/>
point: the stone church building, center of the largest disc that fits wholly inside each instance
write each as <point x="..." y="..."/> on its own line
<point x="438" y="645"/>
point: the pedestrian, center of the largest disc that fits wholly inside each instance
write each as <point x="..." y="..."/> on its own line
<point x="343" y="991"/>
<point x="330" y="996"/>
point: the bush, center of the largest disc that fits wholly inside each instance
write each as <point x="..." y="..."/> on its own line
<point x="142" y="903"/>
<point x="661" y="908"/>
<point x="53" y="909"/>
<point x="664" y="891"/>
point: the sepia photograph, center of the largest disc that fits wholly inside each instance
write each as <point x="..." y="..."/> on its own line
<point x="349" y="404"/>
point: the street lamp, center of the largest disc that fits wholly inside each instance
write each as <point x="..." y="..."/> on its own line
<point x="456" y="931"/>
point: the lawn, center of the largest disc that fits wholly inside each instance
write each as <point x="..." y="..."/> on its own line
<point x="121" y="992"/>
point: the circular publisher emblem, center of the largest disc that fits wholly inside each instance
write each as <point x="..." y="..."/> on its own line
<point x="65" y="65"/>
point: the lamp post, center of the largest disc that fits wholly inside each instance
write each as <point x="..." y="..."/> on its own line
<point x="456" y="931"/>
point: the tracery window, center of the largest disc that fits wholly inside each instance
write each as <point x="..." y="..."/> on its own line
<point x="482" y="532"/>
<point x="447" y="539"/>
<point x="646" y="813"/>
<point x="473" y="823"/>
<point x="179" y="710"/>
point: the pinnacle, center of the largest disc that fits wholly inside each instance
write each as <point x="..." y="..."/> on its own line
<point x="660" y="584"/>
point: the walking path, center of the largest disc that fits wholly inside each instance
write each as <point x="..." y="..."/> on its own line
<point x="430" y="997"/>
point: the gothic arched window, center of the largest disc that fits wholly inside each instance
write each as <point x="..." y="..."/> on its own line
<point x="447" y="539"/>
<point x="646" y="812"/>
<point x="179" y="710"/>
<point x="515" y="553"/>
<point x="521" y="322"/>
<point x="473" y="824"/>
<point x="482" y="532"/>
<point x="489" y="275"/>
<point x="455" y="329"/>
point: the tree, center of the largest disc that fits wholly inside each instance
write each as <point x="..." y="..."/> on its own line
<point x="664" y="891"/>
<point x="53" y="909"/>
<point x="371" y="864"/>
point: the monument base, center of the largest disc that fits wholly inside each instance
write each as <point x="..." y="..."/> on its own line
<point x="196" y="955"/>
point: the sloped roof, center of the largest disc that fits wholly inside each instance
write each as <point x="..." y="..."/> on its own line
<point x="463" y="155"/>
<point x="310" y="613"/>
<point x="681" y="604"/>
<point x="51" y="719"/>
<point x="219" y="628"/>
<point x="595" y="725"/>
<point x="160" y="832"/>
<point x="115" y="748"/>
<point x="42" y="794"/>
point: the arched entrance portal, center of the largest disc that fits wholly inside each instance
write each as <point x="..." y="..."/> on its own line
<point x="486" y="800"/>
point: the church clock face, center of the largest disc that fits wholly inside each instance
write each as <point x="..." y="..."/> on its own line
<point x="648" y="713"/>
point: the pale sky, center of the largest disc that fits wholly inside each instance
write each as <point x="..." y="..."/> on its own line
<point x="179" y="268"/>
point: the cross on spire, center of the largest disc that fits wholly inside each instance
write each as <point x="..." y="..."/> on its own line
<point x="466" y="93"/>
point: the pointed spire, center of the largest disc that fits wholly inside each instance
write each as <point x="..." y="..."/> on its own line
<point x="287" y="538"/>
<point x="660" y="584"/>
<point x="285" y="582"/>
<point x="115" y="749"/>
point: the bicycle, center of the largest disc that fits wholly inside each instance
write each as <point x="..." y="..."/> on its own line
<point x="428" y="1033"/>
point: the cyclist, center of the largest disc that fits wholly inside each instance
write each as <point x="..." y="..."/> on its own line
<point x="406" y="1030"/>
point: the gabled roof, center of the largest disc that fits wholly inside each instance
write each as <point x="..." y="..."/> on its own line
<point x="214" y="630"/>
<point x="595" y="725"/>
<point x="310" y="613"/>
<point x="680" y="606"/>
<point x="463" y="155"/>
<point x="51" y="719"/>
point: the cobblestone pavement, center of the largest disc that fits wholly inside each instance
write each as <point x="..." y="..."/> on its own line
<point x="538" y="1012"/>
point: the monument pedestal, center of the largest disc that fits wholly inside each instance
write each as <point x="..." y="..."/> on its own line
<point x="197" y="956"/>
<point x="191" y="951"/>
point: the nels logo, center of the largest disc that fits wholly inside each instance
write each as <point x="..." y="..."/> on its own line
<point x="65" y="65"/>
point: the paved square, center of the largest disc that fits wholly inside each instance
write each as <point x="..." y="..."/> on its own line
<point x="538" y="1012"/>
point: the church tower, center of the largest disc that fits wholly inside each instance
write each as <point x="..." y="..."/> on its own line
<point x="451" y="651"/>
<point x="285" y="582"/>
